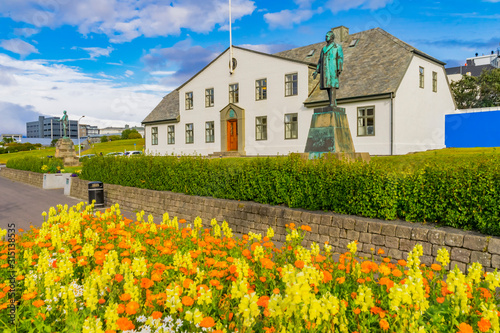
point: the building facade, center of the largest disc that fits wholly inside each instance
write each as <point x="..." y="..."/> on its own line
<point x="394" y="95"/>
<point x="50" y="127"/>
<point x="474" y="66"/>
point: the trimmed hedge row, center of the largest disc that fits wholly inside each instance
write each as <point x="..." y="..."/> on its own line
<point x="463" y="195"/>
<point x="35" y="164"/>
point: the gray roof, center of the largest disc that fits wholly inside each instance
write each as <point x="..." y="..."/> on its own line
<point x="167" y="110"/>
<point x="473" y="70"/>
<point x="375" y="65"/>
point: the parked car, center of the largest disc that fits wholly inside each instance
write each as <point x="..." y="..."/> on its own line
<point x="87" y="156"/>
<point x="115" y="154"/>
<point x="133" y="152"/>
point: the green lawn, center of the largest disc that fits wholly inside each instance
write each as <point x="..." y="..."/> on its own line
<point x="107" y="147"/>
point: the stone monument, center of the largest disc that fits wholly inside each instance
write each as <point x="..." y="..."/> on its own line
<point x="65" y="148"/>
<point x="329" y="131"/>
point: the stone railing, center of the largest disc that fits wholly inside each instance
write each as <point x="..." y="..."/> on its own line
<point x="27" y="177"/>
<point x="396" y="238"/>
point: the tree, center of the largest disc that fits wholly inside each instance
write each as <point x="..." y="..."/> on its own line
<point x="476" y="92"/>
<point x="53" y="142"/>
<point x="465" y="92"/>
<point x="126" y="134"/>
<point x="489" y="88"/>
<point x="135" y="135"/>
<point x="104" y="138"/>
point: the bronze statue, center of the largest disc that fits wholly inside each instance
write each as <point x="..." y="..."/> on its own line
<point x="330" y="65"/>
<point x="65" y="123"/>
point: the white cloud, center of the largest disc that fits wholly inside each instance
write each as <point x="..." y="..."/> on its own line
<point x="339" y="5"/>
<point x="267" y="48"/>
<point x="26" y="32"/>
<point x="124" y="20"/>
<point x="287" y="18"/>
<point x="18" y="46"/>
<point x="15" y="117"/>
<point x="52" y="88"/>
<point x="129" y="73"/>
<point x="96" y="52"/>
<point x="162" y="73"/>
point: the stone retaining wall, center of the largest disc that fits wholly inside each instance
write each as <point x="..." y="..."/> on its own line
<point x="27" y="177"/>
<point x="396" y="238"/>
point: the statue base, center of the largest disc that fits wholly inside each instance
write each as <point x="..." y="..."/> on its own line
<point x="329" y="133"/>
<point x="65" y="149"/>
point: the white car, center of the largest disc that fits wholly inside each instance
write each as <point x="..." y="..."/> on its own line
<point x="133" y="153"/>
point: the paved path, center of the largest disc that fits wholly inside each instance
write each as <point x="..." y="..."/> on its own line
<point x="23" y="204"/>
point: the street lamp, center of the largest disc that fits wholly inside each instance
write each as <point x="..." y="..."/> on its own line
<point x="78" y="127"/>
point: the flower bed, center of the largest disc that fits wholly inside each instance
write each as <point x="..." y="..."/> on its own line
<point x="87" y="271"/>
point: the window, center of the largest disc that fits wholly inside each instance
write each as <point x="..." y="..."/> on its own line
<point x="434" y="81"/>
<point x="291" y="84"/>
<point x="189" y="133"/>
<point x="189" y="100"/>
<point x="154" y="135"/>
<point x="421" y="77"/>
<point x="209" y="97"/>
<point x="260" y="89"/>
<point x="209" y="131"/>
<point x="261" y="128"/>
<point x="171" y="134"/>
<point x="366" y="121"/>
<point x="234" y="93"/>
<point x="291" y="126"/>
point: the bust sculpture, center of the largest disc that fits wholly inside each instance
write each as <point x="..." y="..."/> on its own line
<point x="330" y="65"/>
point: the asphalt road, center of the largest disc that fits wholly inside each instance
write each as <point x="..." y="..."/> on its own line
<point x="23" y="204"/>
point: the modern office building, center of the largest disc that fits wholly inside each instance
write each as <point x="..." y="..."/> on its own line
<point x="50" y="127"/>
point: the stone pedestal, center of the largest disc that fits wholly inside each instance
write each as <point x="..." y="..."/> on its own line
<point x="329" y="133"/>
<point x="65" y="149"/>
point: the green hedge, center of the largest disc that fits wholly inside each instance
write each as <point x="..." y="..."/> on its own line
<point x="463" y="195"/>
<point x="36" y="164"/>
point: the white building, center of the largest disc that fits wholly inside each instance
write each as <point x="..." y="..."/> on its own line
<point x="474" y="66"/>
<point x="394" y="95"/>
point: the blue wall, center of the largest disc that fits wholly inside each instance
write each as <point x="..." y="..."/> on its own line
<point x="476" y="129"/>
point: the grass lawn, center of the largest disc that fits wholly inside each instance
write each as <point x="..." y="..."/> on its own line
<point x="107" y="147"/>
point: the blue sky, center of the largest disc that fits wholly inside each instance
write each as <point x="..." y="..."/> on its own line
<point x="113" y="60"/>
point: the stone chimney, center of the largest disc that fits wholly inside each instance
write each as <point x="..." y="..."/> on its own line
<point x="340" y="33"/>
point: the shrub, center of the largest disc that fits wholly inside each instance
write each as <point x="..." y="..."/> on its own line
<point x="114" y="137"/>
<point x="104" y="138"/>
<point x="462" y="195"/>
<point x="134" y="135"/>
<point x="36" y="164"/>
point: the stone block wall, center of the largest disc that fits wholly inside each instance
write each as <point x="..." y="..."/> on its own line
<point x="27" y="177"/>
<point x="396" y="238"/>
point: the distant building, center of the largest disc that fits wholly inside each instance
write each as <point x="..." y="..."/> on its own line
<point x="88" y="130"/>
<point x="16" y="137"/>
<point x="50" y="128"/>
<point x="119" y="130"/>
<point x="474" y="66"/>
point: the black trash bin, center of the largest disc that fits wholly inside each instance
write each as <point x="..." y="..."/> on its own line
<point x="96" y="192"/>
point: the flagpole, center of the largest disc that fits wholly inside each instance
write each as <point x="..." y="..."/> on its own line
<point x="230" y="42"/>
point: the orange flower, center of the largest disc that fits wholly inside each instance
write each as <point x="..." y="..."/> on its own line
<point x="305" y="228"/>
<point x="29" y="296"/>
<point x="38" y="303"/>
<point x="187" y="301"/>
<point x="118" y="277"/>
<point x="397" y="273"/>
<point x="357" y="311"/>
<point x="276" y="291"/>
<point x="20" y="277"/>
<point x="267" y="263"/>
<point x="380" y="251"/>
<point x="146" y="283"/>
<point x="436" y="267"/>
<point x="440" y="300"/>
<point x="207" y="322"/>
<point x="327" y="277"/>
<point x="484" y="324"/>
<point x="102" y="301"/>
<point x="132" y="307"/>
<point x="125" y="324"/>
<point x="187" y="283"/>
<point x="299" y="264"/>
<point x="263" y="301"/>
<point x="340" y="280"/>
<point x="465" y="328"/>
<point x="156" y="315"/>
<point x="401" y="262"/>
<point x="384" y="324"/>
<point x="125" y="297"/>
<point x="262" y="279"/>
<point x="121" y="309"/>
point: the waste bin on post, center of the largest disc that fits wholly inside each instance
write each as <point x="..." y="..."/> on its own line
<point x="96" y="192"/>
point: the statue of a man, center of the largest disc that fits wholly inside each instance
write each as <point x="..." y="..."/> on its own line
<point x="330" y="65"/>
<point x="65" y="124"/>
